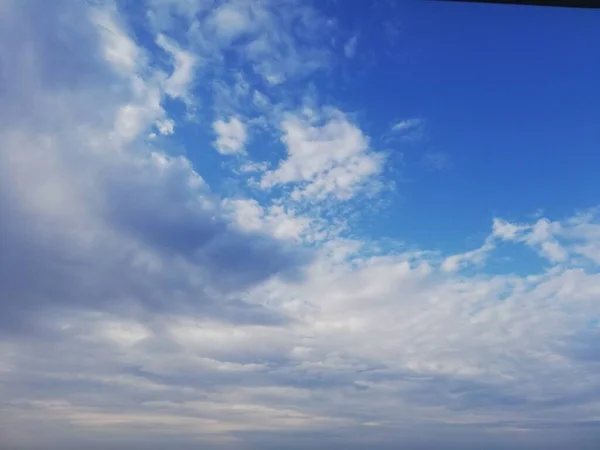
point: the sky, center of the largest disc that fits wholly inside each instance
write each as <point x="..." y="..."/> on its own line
<point x="294" y="224"/>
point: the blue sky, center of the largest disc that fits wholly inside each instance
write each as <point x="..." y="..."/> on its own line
<point x="289" y="224"/>
<point x="505" y="92"/>
<point x="502" y="112"/>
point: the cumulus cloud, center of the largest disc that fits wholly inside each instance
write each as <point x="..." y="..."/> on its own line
<point x="277" y="220"/>
<point x="88" y="218"/>
<point x="326" y="154"/>
<point x="231" y="136"/>
<point x="165" y="126"/>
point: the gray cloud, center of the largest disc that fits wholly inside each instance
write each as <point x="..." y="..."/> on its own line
<point x="88" y="221"/>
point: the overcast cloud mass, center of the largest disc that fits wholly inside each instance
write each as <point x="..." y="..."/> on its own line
<point x="186" y="261"/>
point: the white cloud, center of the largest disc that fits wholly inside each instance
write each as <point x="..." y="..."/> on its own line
<point x="177" y="84"/>
<point x="139" y="306"/>
<point x="277" y="41"/>
<point x="147" y="86"/>
<point x="590" y="251"/>
<point x="82" y="207"/>
<point x="126" y="58"/>
<point x="134" y="117"/>
<point x="405" y="125"/>
<point x="542" y="235"/>
<point x="231" y="136"/>
<point x="250" y="167"/>
<point x="123" y="54"/>
<point x="332" y="159"/>
<point x="553" y="251"/>
<point x="276" y="220"/>
<point x="165" y="127"/>
<point x="454" y="263"/>
<point x="409" y="336"/>
<point x="406" y="130"/>
<point x="506" y="230"/>
<point x="232" y="19"/>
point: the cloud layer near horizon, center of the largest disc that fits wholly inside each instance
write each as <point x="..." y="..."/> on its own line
<point x="141" y="306"/>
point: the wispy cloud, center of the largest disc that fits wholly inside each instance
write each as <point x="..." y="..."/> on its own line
<point x="177" y="84"/>
<point x="436" y="161"/>
<point x="350" y="47"/>
<point x="406" y="130"/>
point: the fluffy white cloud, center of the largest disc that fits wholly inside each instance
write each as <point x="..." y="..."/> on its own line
<point x="277" y="220"/>
<point x="165" y="126"/>
<point x="327" y="155"/>
<point x="506" y="230"/>
<point x="231" y="136"/>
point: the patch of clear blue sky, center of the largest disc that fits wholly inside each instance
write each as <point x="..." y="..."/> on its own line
<point x="509" y="94"/>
